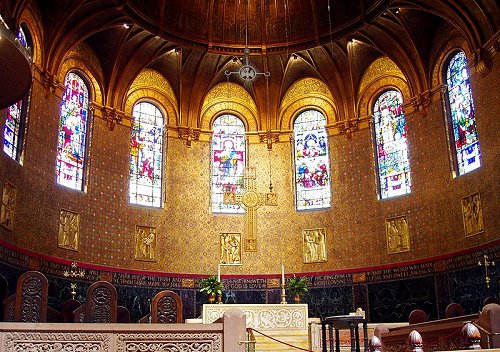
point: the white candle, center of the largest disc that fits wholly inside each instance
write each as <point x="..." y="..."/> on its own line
<point x="218" y="272"/>
<point x="283" y="274"/>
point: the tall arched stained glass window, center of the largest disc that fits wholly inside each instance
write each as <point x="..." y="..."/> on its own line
<point x="17" y="114"/>
<point x="463" y="122"/>
<point x="146" y="155"/>
<point x="228" y="161"/>
<point x="72" y="142"/>
<point x="312" y="165"/>
<point x="391" y="146"/>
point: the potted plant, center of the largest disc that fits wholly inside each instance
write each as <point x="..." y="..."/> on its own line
<point x="212" y="287"/>
<point x="297" y="286"/>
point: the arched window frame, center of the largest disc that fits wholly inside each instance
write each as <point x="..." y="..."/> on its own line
<point x="16" y="124"/>
<point x="387" y="184"/>
<point x="153" y="170"/>
<point x="65" y="137"/>
<point x="312" y="189"/>
<point x="222" y="161"/>
<point x="463" y="139"/>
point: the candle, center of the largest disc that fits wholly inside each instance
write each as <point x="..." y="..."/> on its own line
<point x="218" y="272"/>
<point x="283" y="274"/>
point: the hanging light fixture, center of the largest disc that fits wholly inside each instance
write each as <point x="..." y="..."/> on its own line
<point x="247" y="73"/>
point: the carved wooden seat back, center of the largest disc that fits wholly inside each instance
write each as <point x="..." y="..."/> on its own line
<point x="453" y="310"/>
<point x="100" y="305"/>
<point x="68" y="308"/>
<point x="122" y="315"/>
<point x="417" y="316"/>
<point x="9" y="307"/>
<point x="166" y="307"/>
<point x="32" y="292"/>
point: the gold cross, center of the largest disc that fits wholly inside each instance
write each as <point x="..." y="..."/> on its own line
<point x="251" y="200"/>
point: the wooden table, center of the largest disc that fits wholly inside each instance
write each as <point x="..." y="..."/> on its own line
<point x="340" y="322"/>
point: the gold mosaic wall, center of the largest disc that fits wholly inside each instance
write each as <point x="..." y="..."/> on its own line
<point x="188" y="234"/>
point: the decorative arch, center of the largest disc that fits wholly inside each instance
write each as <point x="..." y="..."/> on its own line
<point x="90" y="69"/>
<point x="231" y="98"/>
<point x="305" y="94"/>
<point x="382" y="74"/>
<point x="152" y="85"/>
<point x="441" y="60"/>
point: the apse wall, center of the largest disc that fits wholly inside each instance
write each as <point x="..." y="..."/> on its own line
<point x="188" y="233"/>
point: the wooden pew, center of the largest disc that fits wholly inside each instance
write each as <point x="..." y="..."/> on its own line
<point x="442" y="334"/>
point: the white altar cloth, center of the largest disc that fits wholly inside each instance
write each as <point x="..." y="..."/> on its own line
<point x="263" y="316"/>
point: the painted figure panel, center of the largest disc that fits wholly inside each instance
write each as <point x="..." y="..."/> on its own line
<point x="9" y="196"/>
<point x="314" y="245"/>
<point x="69" y="228"/>
<point x="398" y="235"/>
<point x="472" y="212"/>
<point x="145" y="243"/>
<point x="230" y="248"/>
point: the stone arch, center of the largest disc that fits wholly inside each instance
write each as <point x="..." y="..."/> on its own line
<point x="90" y="69"/>
<point x="382" y="74"/>
<point x="441" y="60"/>
<point x="307" y="93"/>
<point x="231" y="98"/>
<point x="151" y="85"/>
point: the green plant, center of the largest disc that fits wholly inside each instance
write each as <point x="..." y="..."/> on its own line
<point x="211" y="285"/>
<point x="297" y="285"/>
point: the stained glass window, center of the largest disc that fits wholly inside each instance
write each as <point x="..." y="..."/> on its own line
<point x="72" y="142"/>
<point x="312" y="165"/>
<point x="466" y="142"/>
<point x="17" y="114"/>
<point x="146" y="155"/>
<point x="228" y="161"/>
<point x="391" y="145"/>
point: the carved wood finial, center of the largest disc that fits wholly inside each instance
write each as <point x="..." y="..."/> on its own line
<point x="375" y="345"/>
<point x="415" y="342"/>
<point x="471" y="336"/>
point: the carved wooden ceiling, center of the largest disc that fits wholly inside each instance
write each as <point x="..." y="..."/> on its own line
<point x="193" y="42"/>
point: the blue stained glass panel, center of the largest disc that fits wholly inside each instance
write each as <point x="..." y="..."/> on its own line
<point x="72" y="141"/>
<point x="312" y="164"/>
<point x="228" y="161"/>
<point x="21" y="36"/>
<point x="466" y="141"/>
<point x="16" y="120"/>
<point x="146" y="155"/>
<point x="11" y="129"/>
<point x="391" y="145"/>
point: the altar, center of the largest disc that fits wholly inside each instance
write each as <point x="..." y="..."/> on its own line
<point x="263" y="316"/>
<point x="285" y="322"/>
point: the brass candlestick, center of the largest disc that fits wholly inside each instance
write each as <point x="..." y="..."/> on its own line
<point x="486" y="264"/>
<point x="74" y="272"/>
<point x="283" y="294"/>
